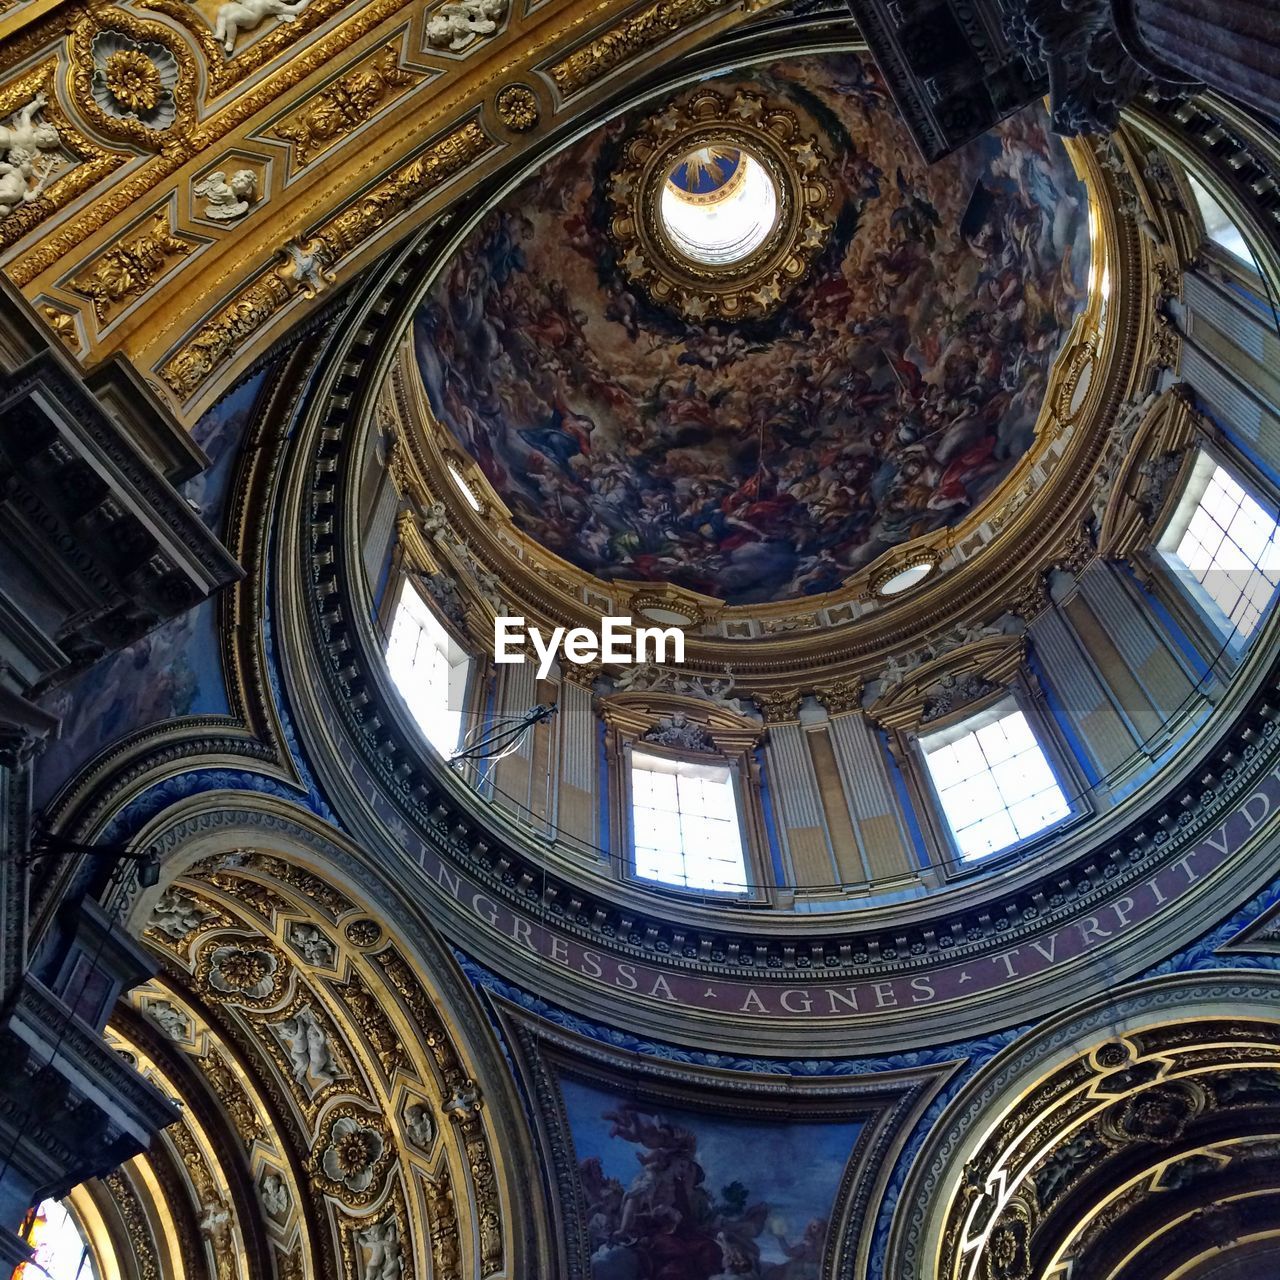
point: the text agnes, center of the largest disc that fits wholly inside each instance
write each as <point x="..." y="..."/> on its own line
<point x="618" y="641"/>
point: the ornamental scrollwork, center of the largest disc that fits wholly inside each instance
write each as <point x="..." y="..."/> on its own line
<point x="642" y="31"/>
<point x="131" y="267"/>
<point x="345" y="105"/>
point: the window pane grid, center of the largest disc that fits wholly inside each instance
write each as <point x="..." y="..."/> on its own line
<point x="1231" y="547"/>
<point x="685" y="822"/>
<point x="994" y="784"/>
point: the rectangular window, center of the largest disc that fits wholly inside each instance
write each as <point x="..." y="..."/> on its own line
<point x="430" y="669"/>
<point x="994" y="783"/>
<point x="1225" y="548"/>
<point x="684" y="818"/>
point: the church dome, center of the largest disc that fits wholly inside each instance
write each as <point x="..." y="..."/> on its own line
<point x="756" y="422"/>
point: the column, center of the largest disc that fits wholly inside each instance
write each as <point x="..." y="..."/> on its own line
<point x="1094" y="720"/>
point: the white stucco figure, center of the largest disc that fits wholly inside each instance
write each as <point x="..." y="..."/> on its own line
<point x="456" y="24"/>
<point x="228" y="198"/>
<point x="309" y="1053"/>
<point x="25" y="169"/>
<point x="244" y="15"/>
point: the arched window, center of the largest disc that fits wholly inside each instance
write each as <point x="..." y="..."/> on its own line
<point x="685" y="821"/>
<point x="1224" y="548"/>
<point x="60" y="1249"/>
<point x="430" y="669"/>
<point x="1219" y="228"/>
<point x="993" y="780"/>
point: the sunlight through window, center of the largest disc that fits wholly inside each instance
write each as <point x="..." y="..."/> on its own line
<point x="685" y="818"/>
<point x="60" y="1249"/>
<point x="994" y="783"/>
<point x="1222" y="540"/>
<point x="718" y="205"/>
<point x="1219" y="227"/>
<point x="430" y="670"/>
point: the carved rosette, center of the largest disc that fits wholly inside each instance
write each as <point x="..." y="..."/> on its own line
<point x="353" y="1155"/>
<point x="517" y="107"/>
<point x="756" y="284"/>
<point x="133" y="80"/>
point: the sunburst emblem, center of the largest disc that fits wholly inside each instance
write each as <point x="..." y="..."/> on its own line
<point x="708" y="174"/>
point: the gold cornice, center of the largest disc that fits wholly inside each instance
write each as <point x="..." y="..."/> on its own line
<point x="603" y="53"/>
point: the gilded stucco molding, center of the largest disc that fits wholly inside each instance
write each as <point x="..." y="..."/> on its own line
<point x="131" y="267"/>
<point x="122" y="106"/>
<point x="392" y="1043"/>
<point x="322" y="121"/>
<point x="187" y="368"/>
<point x="263" y="46"/>
<point x="800" y="174"/>
<point x="315" y="1045"/>
<point x="1118" y="1077"/>
<point x="652" y="26"/>
<point x="517" y="107"/>
<point x="204" y="134"/>
<point x="267" y="66"/>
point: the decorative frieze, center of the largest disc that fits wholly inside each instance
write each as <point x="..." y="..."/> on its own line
<point x="352" y="100"/>
<point x="215" y="342"/>
<point x="132" y="267"/>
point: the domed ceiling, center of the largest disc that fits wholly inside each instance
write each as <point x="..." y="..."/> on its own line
<point x="768" y="457"/>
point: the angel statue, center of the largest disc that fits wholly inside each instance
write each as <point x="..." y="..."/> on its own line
<point x="456" y="23"/>
<point x="244" y="15"/>
<point x="384" y="1260"/>
<point x="24" y="171"/>
<point x="228" y="199"/>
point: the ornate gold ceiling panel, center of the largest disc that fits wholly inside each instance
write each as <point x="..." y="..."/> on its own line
<point x="317" y="1069"/>
<point x="270" y="149"/>
<point x="1104" y="1142"/>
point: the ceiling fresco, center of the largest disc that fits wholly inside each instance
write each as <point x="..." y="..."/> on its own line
<point x="772" y="458"/>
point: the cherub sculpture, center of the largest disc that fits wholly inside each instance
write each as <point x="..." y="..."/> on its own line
<point x="23" y="138"/>
<point x="228" y="199"/>
<point x="455" y="24"/>
<point x="308" y="1048"/>
<point x="244" y="15"/>
<point x="383" y="1260"/>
